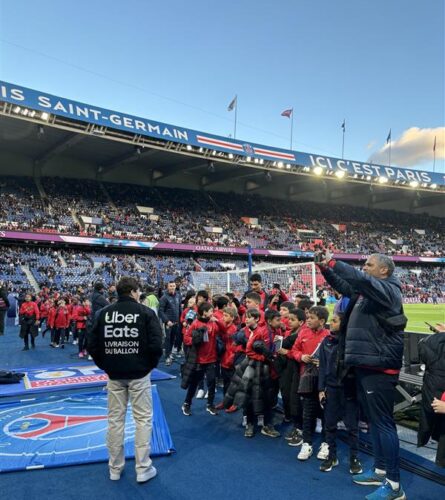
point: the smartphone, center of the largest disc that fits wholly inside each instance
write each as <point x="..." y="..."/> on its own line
<point x="431" y="327"/>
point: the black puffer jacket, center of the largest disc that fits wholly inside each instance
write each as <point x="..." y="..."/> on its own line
<point x="367" y="343"/>
<point x="250" y="385"/>
<point x="432" y="353"/>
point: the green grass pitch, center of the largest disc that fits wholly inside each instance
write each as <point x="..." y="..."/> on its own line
<point x="419" y="313"/>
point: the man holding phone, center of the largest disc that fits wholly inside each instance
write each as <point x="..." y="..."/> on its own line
<point x="373" y="325"/>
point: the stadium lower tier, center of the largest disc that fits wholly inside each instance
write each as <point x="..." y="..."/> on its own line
<point x="29" y="267"/>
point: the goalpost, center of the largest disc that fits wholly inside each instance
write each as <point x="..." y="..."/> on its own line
<point x="293" y="279"/>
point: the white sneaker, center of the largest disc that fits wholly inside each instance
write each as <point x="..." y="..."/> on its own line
<point x="244" y="424"/>
<point x="318" y="426"/>
<point x="207" y="395"/>
<point x="114" y="476"/>
<point x="90" y="358"/>
<point x="305" y="452"/>
<point x="75" y="342"/>
<point x="200" y="394"/>
<point x="150" y="474"/>
<point x="323" y="452"/>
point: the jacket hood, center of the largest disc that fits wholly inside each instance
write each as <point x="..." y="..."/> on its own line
<point x="394" y="280"/>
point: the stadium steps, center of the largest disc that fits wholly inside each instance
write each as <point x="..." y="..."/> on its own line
<point x="62" y="261"/>
<point x="40" y="189"/>
<point x="31" y="278"/>
<point x="107" y="195"/>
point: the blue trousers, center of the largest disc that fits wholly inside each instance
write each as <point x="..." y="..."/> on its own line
<point x="377" y="391"/>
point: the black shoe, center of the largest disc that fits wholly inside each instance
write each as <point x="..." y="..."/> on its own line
<point x="250" y="431"/>
<point x="355" y="467"/>
<point x="212" y="410"/>
<point x="291" y="434"/>
<point x="62" y="346"/>
<point x="186" y="410"/>
<point x="269" y="430"/>
<point x="328" y="464"/>
<point x="297" y="440"/>
<point x="26" y="348"/>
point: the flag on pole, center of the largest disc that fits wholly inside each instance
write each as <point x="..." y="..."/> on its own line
<point x="287" y="112"/>
<point x="434" y="146"/>
<point x="389" y="137"/>
<point x="232" y="104"/>
<point x="343" y="125"/>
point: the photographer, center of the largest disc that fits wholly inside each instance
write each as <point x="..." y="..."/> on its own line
<point x="374" y="324"/>
<point x="432" y="410"/>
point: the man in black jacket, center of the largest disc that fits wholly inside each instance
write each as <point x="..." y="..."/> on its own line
<point x="126" y="342"/>
<point x="375" y="351"/>
<point x="170" y="314"/>
<point x="4" y="305"/>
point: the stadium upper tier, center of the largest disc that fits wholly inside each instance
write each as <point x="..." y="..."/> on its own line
<point x="109" y="210"/>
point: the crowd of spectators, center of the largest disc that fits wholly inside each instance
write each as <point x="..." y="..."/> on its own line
<point x="71" y="269"/>
<point x="185" y="216"/>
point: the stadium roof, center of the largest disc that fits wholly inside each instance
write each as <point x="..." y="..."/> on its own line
<point x="47" y="135"/>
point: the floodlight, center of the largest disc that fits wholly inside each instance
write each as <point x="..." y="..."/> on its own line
<point x="44" y="116"/>
<point x="16" y="109"/>
<point x="231" y="156"/>
<point x="433" y="186"/>
<point x="248" y="159"/>
<point x="383" y="180"/>
<point x="318" y="170"/>
<point x="414" y="184"/>
<point x="280" y="164"/>
<point x="368" y="177"/>
<point x="189" y="148"/>
<point x="340" y="174"/>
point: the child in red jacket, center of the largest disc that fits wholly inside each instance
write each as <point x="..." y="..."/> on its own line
<point x="229" y="315"/>
<point x="206" y="357"/>
<point x="29" y="315"/>
<point x="61" y="323"/>
<point x="305" y="352"/>
<point x="81" y="312"/>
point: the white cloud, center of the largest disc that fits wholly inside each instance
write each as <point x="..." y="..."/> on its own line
<point x="371" y="144"/>
<point x="414" y="147"/>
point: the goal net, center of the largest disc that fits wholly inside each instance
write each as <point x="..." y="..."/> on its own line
<point x="293" y="279"/>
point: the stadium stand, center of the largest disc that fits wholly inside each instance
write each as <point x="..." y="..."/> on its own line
<point x="211" y="218"/>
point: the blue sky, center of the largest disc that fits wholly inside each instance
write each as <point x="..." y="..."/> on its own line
<point x="379" y="64"/>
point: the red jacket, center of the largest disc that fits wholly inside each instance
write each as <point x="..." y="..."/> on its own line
<point x="307" y="342"/>
<point x="80" y="315"/>
<point x="267" y="335"/>
<point x="206" y="351"/>
<point x="228" y="356"/>
<point x="62" y="317"/>
<point x="29" y="309"/>
<point x="44" y="309"/>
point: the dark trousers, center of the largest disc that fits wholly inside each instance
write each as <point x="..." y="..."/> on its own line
<point x="250" y="415"/>
<point x="311" y="410"/>
<point x="208" y="370"/>
<point x="339" y="405"/>
<point x="227" y="374"/>
<point x="81" y="337"/>
<point x="173" y="338"/>
<point x="59" y="336"/>
<point x="2" y="322"/>
<point x="377" y="391"/>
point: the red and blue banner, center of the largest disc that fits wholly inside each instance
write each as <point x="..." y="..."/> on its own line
<point x="60" y="430"/>
<point x="62" y="377"/>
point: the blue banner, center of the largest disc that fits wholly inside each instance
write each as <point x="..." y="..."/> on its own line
<point x="60" y="430"/>
<point x="47" y="103"/>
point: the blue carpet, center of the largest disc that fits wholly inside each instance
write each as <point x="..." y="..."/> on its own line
<point x="68" y="429"/>
<point x="213" y="460"/>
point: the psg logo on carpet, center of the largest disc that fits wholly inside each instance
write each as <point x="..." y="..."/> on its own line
<point x="51" y="428"/>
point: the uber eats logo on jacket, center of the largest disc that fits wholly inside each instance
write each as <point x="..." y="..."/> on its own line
<point x="124" y="332"/>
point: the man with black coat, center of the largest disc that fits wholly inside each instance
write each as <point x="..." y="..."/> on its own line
<point x="98" y="299"/>
<point x="126" y="342"/>
<point x="170" y="314"/>
<point x="374" y="324"/>
<point x="432" y="422"/>
<point x="4" y="305"/>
